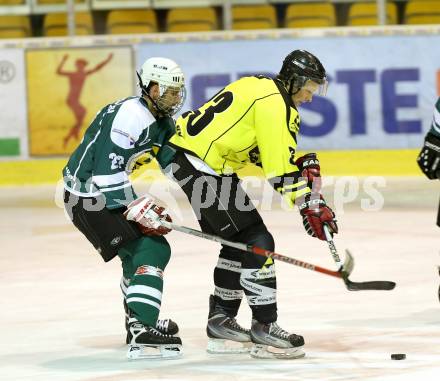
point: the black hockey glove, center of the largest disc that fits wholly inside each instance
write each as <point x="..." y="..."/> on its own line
<point x="429" y="157"/>
<point x="310" y="170"/>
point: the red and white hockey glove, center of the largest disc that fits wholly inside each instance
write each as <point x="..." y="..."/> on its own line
<point x="148" y="215"/>
<point x="310" y="170"/>
<point x="315" y="213"/>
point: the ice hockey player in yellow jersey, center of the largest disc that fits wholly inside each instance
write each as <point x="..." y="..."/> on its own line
<point x="254" y="119"/>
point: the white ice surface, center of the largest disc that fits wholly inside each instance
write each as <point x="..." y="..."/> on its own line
<point x="62" y="318"/>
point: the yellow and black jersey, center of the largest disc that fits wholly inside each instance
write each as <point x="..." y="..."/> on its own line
<point x="250" y="120"/>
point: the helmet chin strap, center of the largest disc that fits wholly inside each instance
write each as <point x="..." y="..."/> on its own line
<point x="288" y="86"/>
<point x="156" y="106"/>
<point x="145" y="94"/>
<point x="292" y="90"/>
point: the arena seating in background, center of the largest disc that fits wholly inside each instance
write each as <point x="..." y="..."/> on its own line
<point x="145" y="16"/>
<point x="122" y="4"/>
<point x="365" y="13"/>
<point x="191" y="20"/>
<point x="129" y="21"/>
<point x="422" y="12"/>
<point x="47" y="2"/>
<point x="15" y="27"/>
<point x="11" y="2"/>
<point x="310" y="15"/>
<point x="254" y="17"/>
<point x="55" y="24"/>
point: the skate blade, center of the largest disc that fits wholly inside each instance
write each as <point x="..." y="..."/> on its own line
<point x="158" y="352"/>
<point x="261" y="351"/>
<point x="223" y="346"/>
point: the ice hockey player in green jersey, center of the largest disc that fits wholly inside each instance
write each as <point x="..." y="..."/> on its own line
<point x="429" y="157"/>
<point x="102" y="204"/>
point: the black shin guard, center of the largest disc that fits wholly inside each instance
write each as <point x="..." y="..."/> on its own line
<point x="256" y="288"/>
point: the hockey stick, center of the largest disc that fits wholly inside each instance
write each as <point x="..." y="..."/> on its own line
<point x="346" y="269"/>
<point x="259" y="251"/>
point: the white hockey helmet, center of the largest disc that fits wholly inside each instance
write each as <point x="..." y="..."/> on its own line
<point x="169" y="76"/>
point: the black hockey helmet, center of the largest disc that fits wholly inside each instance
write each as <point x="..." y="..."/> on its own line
<point x="300" y="66"/>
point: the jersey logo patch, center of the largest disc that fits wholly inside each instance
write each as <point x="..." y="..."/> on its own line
<point x="123" y="133"/>
<point x="292" y="155"/>
<point x="254" y="155"/>
<point x="115" y="241"/>
<point x="294" y="126"/>
<point x="146" y="139"/>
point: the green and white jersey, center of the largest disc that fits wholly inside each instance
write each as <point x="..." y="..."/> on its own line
<point x="123" y="135"/>
<point x="435" y="126"/>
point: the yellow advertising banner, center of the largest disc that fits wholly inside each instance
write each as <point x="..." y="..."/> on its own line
<point x="66" y="89"/>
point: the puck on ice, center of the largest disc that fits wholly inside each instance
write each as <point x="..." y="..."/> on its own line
<point x="398" y="356"/>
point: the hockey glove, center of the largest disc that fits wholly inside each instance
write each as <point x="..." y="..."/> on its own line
<point x="315" y="213"/>
<point x="429" y="157"/>
<point x="310" y="170"/>
<point x="148" y="215"/>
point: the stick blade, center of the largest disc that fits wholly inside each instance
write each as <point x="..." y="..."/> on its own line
<point x="380" y="285"/>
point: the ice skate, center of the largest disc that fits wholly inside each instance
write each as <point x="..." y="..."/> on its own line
<point x="271" y="341"/>
<point x="225" y="335"/>
<point x="164" y="326"/>
<point x="146" y="342"/>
